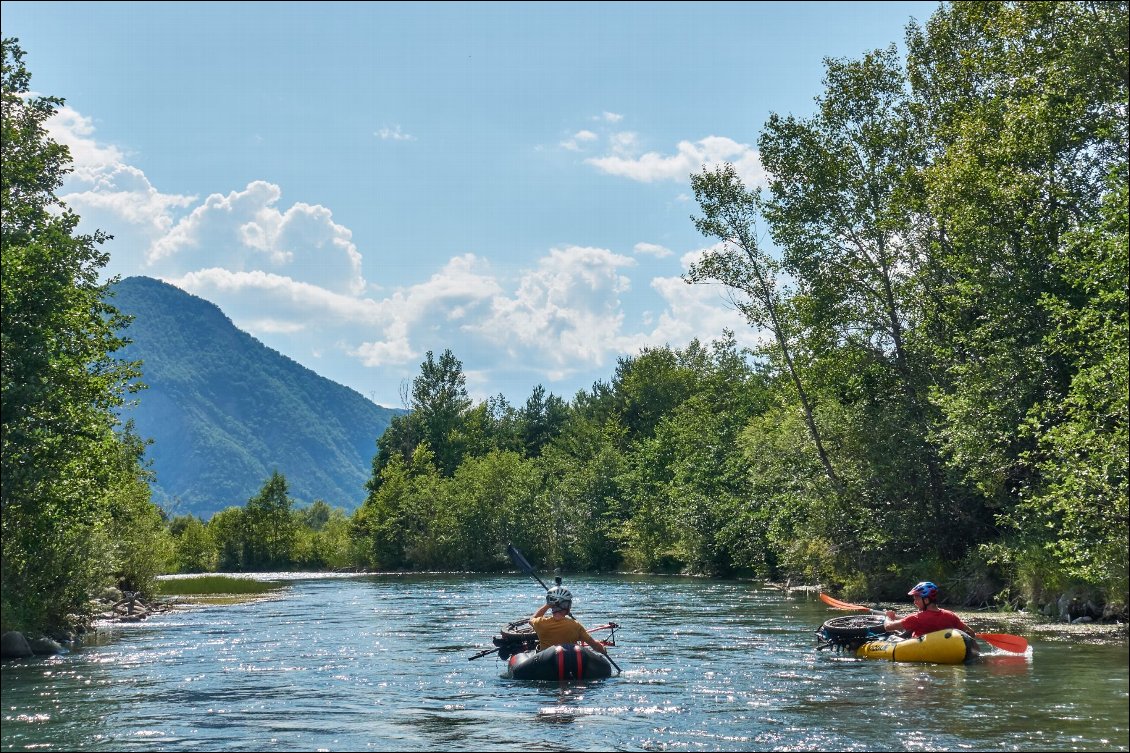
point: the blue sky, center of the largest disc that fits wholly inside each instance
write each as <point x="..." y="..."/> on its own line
<point x="356" y="184"/>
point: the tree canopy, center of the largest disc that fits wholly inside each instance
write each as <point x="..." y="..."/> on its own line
<point x="75" y="505"/>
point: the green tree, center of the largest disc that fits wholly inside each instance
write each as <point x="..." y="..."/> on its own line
<point x="492" y="497"/>
<point x="541" y="420"/>
<point x="63" y="464"/>
<point x="194" y="549"/>
<point x="271" y="526"/>
<point x="845" y="207"/>
<point x="729" y="214"/>
<point x="394" y="526"/>
<point x="142" y="548"/>
<point x="322" y="540"/>
<point x="439" y="410"/>
<point x="439" y="403"/>
<point x="1026" y="108"/>
<point x="228" y="529"/>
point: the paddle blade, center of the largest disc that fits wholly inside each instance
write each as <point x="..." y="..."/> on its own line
<point x="837" y="604"/>
<point x="1005" y="642"/>
<point x="523" y="564"/>
<point x="519" y="560"/>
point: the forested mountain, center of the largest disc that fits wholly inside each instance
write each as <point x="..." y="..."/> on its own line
<point x="224" y="411"/>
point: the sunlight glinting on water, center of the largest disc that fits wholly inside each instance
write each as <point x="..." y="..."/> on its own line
<point x="381" y="663"/>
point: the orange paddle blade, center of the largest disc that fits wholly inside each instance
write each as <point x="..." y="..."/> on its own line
<point x="1005" y="642"/>
<point x="837" y="604"/>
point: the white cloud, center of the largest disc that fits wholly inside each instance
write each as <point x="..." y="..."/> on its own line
<point x="292" y="276"/>
<point x="692" y="311"/>
<point x="566" y="310"/>
<point x="274" y="326"/>
<point x="109" y="194"/>
<point x="393" y="134"/>
<point x="68" y="126"/>
<point x="688" y="158"/>
<point x="574" y="144"/>
<point x="244" y="230"/>
<point x="622" y="143"/>
<point x="452" y="299"/>
<point x="653" y="249"/>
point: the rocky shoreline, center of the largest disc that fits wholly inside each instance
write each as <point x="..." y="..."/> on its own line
<point x="1047" y="629"/>
<point x="113" y="606"/>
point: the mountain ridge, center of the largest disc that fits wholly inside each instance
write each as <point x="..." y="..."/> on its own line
<point x="224" y="410"/>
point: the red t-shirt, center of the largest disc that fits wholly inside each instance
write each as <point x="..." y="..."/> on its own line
<point x="929" y="620"/>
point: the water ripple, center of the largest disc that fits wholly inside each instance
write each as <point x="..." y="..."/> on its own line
<point x="380" y="663"/>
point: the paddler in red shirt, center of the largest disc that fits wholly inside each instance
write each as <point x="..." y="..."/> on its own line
<point x="930" y="616"/>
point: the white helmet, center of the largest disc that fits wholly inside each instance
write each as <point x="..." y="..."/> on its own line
<point x="559" y="596"/>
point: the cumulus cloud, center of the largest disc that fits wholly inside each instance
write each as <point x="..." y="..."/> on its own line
<point x="688" y="158"/>
<point x="291" y="275"/>
<point x="622" y="158"/>
<point x="107" y="192"/>
<point x="565" y="310"/>
<point x="244" y="230"/>
<point x="452" y="299"/>
<point x="653" y="249"/>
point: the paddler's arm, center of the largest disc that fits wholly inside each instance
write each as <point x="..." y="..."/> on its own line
<point x="596" y="645"/>
<point x="892" y="625"/>
<point x="964" y="628"/>
<point x="540" y="611"/>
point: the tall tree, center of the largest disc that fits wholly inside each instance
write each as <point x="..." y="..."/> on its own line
<point x="271" y="527"/>
<point x="60" y="382"/>
<point x="844" y="208"/>
<point x="729" y="214"/>
<point x="838" y="208"/>
<point x="439" y="402"/>
<point x="1025" y="104"/>
<point x="541" y="420"/>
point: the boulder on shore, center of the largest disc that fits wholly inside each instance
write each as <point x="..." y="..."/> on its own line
<point x="44" y="646"/>
<point x="13" y="645"/>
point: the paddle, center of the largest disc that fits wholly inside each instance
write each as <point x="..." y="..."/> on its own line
<point x="1004" y="641"/>
<point x="524" y="565"/>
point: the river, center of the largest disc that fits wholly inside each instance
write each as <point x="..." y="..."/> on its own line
<point x="380" y="662"/>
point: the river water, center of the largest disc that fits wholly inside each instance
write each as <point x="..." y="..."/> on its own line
<point x="381" y="663"/>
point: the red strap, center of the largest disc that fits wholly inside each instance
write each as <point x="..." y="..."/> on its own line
<point x="580" y="660"/>
<point x="560" y="662"/>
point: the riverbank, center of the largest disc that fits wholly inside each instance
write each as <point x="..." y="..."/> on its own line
<point x="1034" y="626"/>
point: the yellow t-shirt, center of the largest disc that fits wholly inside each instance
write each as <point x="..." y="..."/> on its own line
<point x="553" y="632"/>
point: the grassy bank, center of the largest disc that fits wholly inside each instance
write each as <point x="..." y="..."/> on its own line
<point x="215" y="585"/>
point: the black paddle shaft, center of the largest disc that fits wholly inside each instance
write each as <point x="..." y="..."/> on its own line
<point x="523" y="564"/>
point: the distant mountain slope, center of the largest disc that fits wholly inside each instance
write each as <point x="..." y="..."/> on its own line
<point x="225" y="411"/>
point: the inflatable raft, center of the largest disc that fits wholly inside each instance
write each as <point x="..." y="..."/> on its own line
<point x="576" y="662"/>
<point x="864" y="637"/>
<point x="518" y="646"/>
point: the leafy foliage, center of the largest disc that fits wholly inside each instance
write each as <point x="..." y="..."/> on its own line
<point x="76" y="511"/>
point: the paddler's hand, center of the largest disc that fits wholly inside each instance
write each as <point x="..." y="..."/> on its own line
<point x="891" y="614"/>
